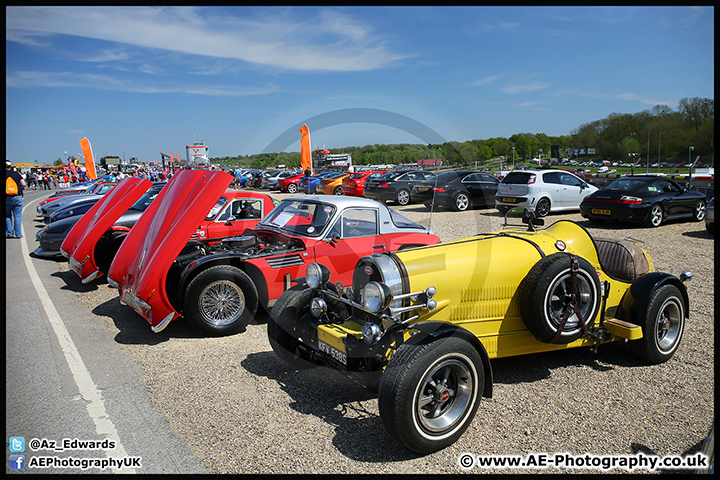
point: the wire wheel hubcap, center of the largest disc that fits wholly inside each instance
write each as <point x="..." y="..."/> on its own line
<point x="221" y="303"/>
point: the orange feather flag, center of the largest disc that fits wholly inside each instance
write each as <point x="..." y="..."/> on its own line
<point x="89" y="162"/>
<point x="305" y="153"/>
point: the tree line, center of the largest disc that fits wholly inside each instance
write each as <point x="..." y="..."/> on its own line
<point x="659" y="133"/>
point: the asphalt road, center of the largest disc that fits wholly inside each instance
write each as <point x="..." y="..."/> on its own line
<point x="68" y="381"/>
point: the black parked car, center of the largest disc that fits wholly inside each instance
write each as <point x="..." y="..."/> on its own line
<point x="395" y="186"/>
<point x="646" y="199"/>
<point x="460" y="190"/>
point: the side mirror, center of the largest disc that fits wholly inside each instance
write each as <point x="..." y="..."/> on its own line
<point x="230" y="221"/>
<point x="334" y="237"/>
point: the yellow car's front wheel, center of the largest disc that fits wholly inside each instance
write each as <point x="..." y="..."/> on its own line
<point x="430" y="392"/>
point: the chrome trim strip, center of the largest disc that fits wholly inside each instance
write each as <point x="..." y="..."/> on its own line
<point x="163" y="323"/>
<point x="91" y="277"/>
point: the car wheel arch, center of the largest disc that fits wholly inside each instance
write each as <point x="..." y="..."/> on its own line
<point x="636" y="299"/>
<point x="550" y="208"/>
<point x="189" y="274"/>
<point x="429" y="331"/>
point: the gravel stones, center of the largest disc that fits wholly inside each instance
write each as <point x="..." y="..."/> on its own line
<point x="240" y="409"/>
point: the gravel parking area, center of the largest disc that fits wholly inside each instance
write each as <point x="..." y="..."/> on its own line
<point x="240" y="409"/>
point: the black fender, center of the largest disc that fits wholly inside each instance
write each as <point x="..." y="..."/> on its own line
<point x="637" y="297"/>
<point x="436" y="330"/>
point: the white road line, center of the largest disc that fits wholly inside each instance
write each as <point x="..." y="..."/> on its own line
<point x="88" y="390"/>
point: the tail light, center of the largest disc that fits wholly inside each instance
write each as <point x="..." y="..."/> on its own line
<point x="626" y="199"/>
<point x="439" y="189"/>
<point x="382" y="185"/>
<point x="712" y="202"/>
<point x="531" y="180"/>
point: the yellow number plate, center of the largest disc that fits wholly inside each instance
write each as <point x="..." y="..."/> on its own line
<point x="600" y="211"/>
<point x="509" y="200"/>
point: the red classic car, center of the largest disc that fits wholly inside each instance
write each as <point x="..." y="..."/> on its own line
<point x="80" y="244"/>
<point x="218" y="288"/>
<point x="91" y="245"/>
<point x="232" y="214"/>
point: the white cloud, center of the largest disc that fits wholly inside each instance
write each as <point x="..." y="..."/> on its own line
<point x="329" y="40"/>
<point x="516" y="89"/>
<point x="28" y="79"/>
<point x="485" y="80"/>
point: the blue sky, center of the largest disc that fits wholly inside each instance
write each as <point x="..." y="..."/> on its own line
<point x="138" y="80"/>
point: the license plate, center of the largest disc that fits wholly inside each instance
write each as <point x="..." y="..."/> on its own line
<point x="333" y="352"/>
<point x="600" y="211"/>
<point x="509" y="200"/>
<point x="423" y="189"/>
<point x="371" y="185"/>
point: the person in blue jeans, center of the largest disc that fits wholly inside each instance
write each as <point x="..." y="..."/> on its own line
<point x="13" y="204"/>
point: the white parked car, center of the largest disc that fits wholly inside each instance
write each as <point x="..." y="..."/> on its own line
<point x="543" y="191"/>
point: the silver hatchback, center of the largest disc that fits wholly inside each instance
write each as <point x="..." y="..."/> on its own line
<point x="542" y="191"/>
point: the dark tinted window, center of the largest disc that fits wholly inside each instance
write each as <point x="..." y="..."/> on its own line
<point x="518" y="178"/>
<point x="449" y="177"/>
<point x="551" y="177"/>
<point x="625" y="184"/>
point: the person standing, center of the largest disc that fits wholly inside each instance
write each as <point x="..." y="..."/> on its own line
<point x="14" y="185"/>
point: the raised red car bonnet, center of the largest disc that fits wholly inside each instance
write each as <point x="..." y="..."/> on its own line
<point x="145" y="256"/>
<point x="88" y="230"/>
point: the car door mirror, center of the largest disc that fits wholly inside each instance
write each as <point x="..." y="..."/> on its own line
<point x="332" y="238"/>
<point x="230" y="221"/>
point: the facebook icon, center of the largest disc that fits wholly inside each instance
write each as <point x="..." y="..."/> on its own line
<point x="17" y="462"/>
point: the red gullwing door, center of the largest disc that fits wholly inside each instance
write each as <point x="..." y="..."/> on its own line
<point x="141" y="264"/>
<point x="79" y="244"/>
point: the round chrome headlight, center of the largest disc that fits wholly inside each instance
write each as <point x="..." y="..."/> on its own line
<point x="316" y="275"/>
<point x="371" y="333"/>
<point x="376" y="297"/>
<point x="317" y="307"/>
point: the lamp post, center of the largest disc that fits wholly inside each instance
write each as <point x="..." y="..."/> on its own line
<point x="690" y="156"/>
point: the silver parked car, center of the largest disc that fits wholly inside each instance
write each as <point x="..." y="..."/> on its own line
<point x="543" y="191"/>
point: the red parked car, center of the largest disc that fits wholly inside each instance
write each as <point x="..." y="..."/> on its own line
<point x="219" y="288"/>
<point x="91" y="245"/>
<point x="354" y="185"/>
<point x="290" y="184"/>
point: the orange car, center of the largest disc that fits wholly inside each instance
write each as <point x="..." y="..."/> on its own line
<point x="331" y="186"/>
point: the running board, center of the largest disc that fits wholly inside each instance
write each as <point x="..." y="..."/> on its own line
<point x="623" y="329"/>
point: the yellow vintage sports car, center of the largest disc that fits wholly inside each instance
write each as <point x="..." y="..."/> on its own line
<point x="421" y="326"/>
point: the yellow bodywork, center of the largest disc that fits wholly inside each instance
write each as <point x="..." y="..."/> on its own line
<point x="477" y="281"/>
